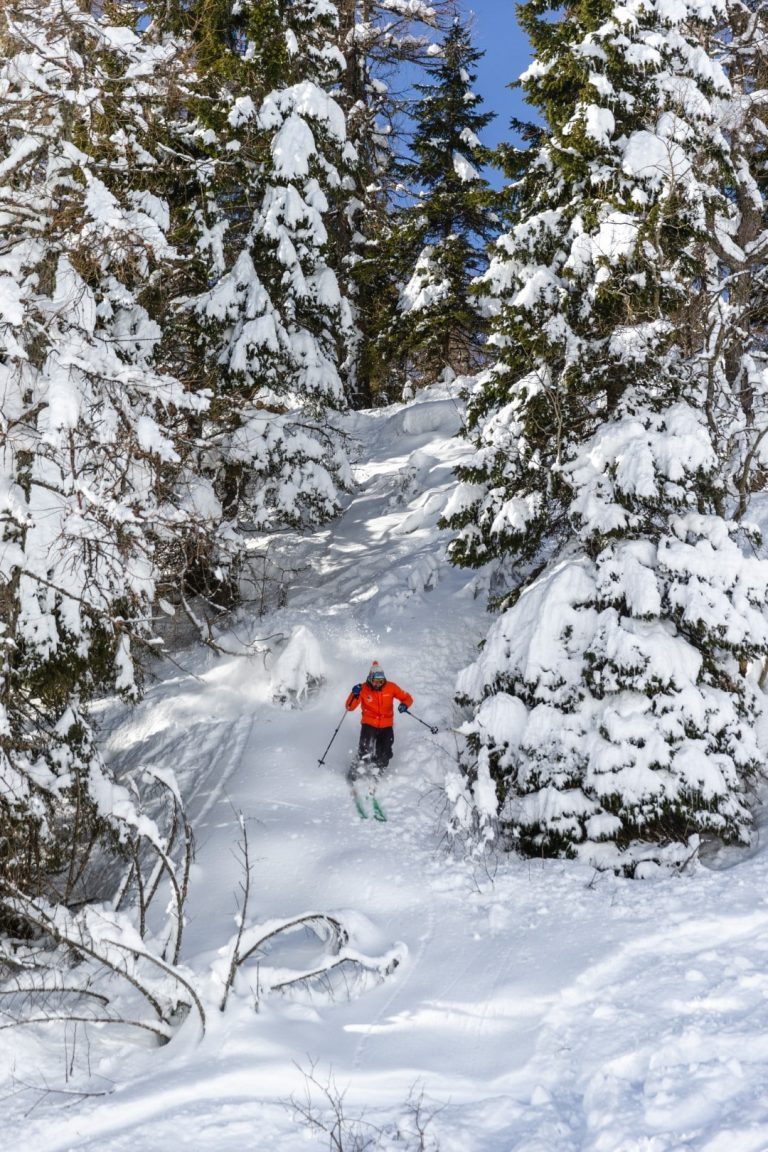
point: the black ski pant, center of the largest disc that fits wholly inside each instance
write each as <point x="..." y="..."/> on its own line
<point x="375" y="748"/>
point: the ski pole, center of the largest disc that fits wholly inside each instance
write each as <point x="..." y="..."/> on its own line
<point x="335" y="734"/>
<point x="433" y="729"/>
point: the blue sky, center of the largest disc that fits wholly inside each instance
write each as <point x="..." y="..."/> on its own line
<point x="507" y="54"/>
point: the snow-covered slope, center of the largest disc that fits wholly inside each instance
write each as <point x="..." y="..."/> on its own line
<point x="536" y="1005"/>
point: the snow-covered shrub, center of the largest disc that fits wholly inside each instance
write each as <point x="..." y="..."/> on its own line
<point x="113" y="960"/>
<point x="616" y="439"/>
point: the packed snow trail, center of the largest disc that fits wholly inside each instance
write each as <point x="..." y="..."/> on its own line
<point x="540" y="1006"/>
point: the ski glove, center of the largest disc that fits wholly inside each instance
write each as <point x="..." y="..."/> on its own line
<point x="357" y="689"/>
<point x="402" y="707"/>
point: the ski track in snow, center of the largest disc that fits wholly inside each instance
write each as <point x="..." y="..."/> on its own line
<point x="400" y="989"/>
<point x="542" y="1008"/>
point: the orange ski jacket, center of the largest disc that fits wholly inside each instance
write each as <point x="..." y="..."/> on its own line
<point x="378" y="704"/>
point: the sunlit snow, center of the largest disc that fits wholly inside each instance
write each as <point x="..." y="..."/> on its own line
<point x="539" y="1006"/>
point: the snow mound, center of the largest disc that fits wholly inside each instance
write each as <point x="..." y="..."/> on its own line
<point x="298" y="670"/>
<point x="431" y="416"/>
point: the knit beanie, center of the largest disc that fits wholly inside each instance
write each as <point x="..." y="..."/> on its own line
<point x="376" y="672"/>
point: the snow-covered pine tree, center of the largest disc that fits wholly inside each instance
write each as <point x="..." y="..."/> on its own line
<point x="439" y="241"/>
<point x="275" y="326"/>
<point x="385" y="43"/>
<point x="89" y="469"/>
<point x="613" y="713"/>
<point x="739" y="240"/>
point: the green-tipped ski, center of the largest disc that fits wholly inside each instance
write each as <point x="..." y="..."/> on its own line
<point x="359" y="803"/>
<point x="376" y="810"/>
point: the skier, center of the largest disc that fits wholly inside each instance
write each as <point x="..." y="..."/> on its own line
<point x="376" y="697"/>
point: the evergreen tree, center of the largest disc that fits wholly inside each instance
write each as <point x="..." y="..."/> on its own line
<point x="612" y="706"/>
<point x="275" y="327"/>
<point x="439" y="242"/>
<point x="737" y="318"/>
<point x="91" y="481"/>
<point x="383" y="41"/>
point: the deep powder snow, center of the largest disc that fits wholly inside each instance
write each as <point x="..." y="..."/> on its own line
<point x="534" y="1006"/>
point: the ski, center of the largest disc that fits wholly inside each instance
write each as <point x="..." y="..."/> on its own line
<point x="359" y="803"/>
<point x="378" y="811"/>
